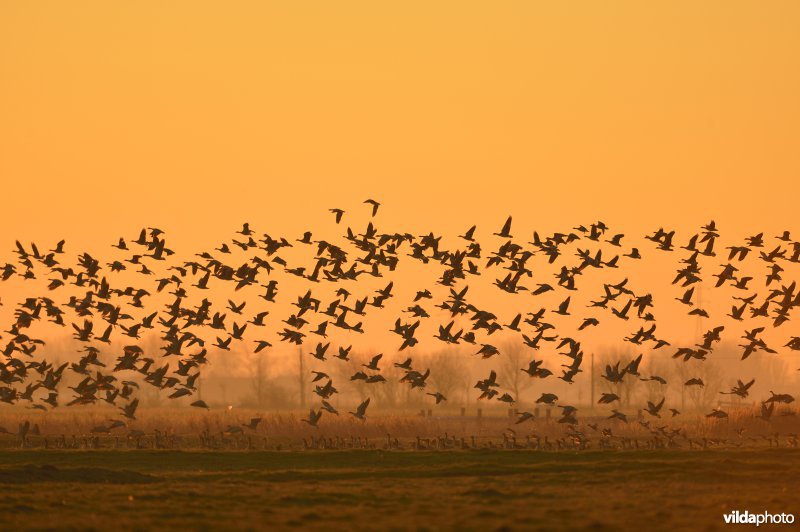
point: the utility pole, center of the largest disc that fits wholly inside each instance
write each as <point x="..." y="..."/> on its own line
<point x="301" y="378"/>
<point x="592" y="381"/>
<point x="698" y="320"/>
<point x="697" y="334"/>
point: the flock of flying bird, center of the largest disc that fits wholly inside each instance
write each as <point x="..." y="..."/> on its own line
<point x="108" y="307"/>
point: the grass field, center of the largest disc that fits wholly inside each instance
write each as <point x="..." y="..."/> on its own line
<point x="477" y="490"/>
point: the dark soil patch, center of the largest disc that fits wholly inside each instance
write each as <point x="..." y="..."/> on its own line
<point x="88" y="475"/>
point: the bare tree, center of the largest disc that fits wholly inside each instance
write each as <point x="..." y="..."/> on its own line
<point x="257" y="369"/>
<point x="777" y="371"/>
<point x="623" y="389"/>
<point x="513" y="358"/>
<point x="706" y="396"/>
<point x="390" y="392"/>
<point x="656" y="366"/>
<point x="449" y="372"/>
<point x="344" y="370"/>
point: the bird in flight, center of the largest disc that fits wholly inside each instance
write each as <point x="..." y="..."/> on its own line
<point x="361" y="411"/>
<point x="224" y="300"/>
<point x="375" y="206"/>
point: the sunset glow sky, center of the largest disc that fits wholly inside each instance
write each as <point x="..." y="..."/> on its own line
<point x="195" y="117"/>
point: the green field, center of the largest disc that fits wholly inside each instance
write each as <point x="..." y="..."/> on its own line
<point x="478" y="490"/>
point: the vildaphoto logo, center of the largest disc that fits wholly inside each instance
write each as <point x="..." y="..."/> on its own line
<point x="765" y="518"/>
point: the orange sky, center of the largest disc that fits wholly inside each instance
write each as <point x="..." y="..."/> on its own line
<point x="195" y="116"/>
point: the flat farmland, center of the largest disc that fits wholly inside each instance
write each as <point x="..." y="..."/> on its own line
<point x="395" y="490"/>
